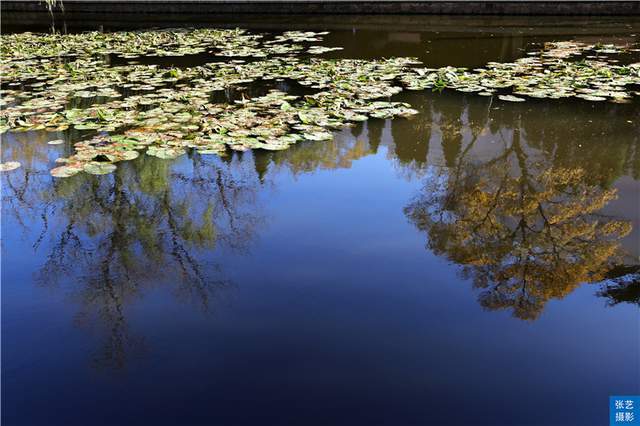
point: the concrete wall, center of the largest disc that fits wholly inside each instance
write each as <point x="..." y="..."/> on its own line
<point x="451" y="7"/>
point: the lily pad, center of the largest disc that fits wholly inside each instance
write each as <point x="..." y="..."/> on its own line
<point x="510" y="98"/>
<point x="129" y="108"/>
<point x="318" y="136"/>
<point x="9" y="165"/>
<point x="65" y="171"/>
<point x="97" y="168"/>
<point x="164" y="153"/>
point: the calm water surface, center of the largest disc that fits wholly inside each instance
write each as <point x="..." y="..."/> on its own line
<point x="390" y="276"/>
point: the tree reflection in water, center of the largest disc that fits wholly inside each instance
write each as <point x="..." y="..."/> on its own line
<point x="622" y="286"/>
<point x="523" y="222"/>
<point x="114" y="238"/>
<point x="148" y="224"/>
<point x="514" y="196"/>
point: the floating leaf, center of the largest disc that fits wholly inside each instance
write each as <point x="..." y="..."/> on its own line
<point x="592" y="98"/>
<point x="97" y="168"/>
<point x="9" y="165"/>
<point x="128" y="108"/>
<point x="164" y="153"/>
<point x="318" y="136"/>
<point x="510" y="98"/>
<point x="65" y="171"/>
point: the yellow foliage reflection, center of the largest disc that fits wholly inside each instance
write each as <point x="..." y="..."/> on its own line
<point x="525" y="233"/>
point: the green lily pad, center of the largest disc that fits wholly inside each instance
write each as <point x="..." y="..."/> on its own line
<point x="318" y="136"/>
<point x="96" y="168"/>
<point x="164" y="153"/>
<point x="65" y="171"/>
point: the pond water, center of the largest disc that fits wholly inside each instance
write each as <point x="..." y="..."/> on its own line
<point x="442" y="269"/>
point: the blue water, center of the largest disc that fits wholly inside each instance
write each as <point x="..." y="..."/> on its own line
<point x="295" y="288"/>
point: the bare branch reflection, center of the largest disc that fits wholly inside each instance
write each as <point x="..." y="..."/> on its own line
<point x="117" y="237"/>
<point x="524" y="224"/>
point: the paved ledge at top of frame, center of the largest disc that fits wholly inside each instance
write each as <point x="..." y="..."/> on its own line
<point x="434" y="7"/>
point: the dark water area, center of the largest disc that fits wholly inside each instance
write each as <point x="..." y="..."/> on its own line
<point x="396" y="275"/>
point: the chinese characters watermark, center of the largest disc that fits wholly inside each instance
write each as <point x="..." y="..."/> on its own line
<point x="624" y="410"/>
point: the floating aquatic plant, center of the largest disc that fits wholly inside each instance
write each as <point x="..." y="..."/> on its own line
<point x="57" y="82"/>
<point x="8" y="166"/>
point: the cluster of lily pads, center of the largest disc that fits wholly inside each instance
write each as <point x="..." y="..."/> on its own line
<point x="542" y="74"/>
<point x="57" y="82"/>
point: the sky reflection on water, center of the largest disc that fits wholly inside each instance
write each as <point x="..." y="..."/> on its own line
<point x="409" y="271"/>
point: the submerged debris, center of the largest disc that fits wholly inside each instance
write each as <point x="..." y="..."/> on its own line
<point x="57" y="82"/>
